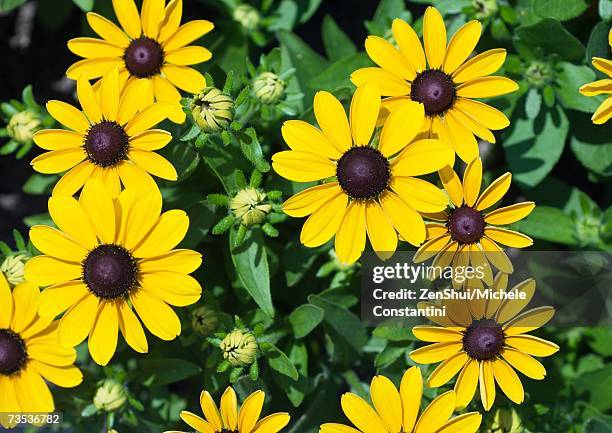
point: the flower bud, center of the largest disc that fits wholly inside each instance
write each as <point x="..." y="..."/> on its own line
<point x="247" y="16"/>
<point x="110" y="396"/>
<point x="205" y="320"/>
<point x="239" y="348"/>
<point x="539" y="74"/>
<point x="249" y="206"/>
<point x="268" y="87"/>
<point x="22" y="126"/>
<point x="506" y="421"/>
<point x="485" y="8"/>
<point x="212" y="110"/>
<point x="12" y="267"/>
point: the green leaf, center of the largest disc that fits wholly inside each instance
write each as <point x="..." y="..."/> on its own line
<point x="304" y="319"/>
<point x="89" y="410"/>
<point x="597" y="384"/>
<point x="598" y="425"/>
<point x="183" y="157"/>
<point x="549" y="37"/>
<point x="549" y="224"/>
<point x="251" y="262"/>
<point x="336" y="43"/>
<point x="598" y="40"/>
<point x="533" y="146"/>
<point x="592" y="144"/>
<point x="386" y="11"/>
<point x="393" y="333"/>
<point x="39" y="184"/>
<point x="389" y="355"/>
<point x="561" y="10"/>
<point x="605" y="9"/>
<point x="9" y="5"/>
<point x="280" y="362"/>
<point x="85" y="5"/>
<point x="569" y="79"/>
<point x="533" y="103"/>
<point x="337" y="75"/>
<point x="164" y="371"/>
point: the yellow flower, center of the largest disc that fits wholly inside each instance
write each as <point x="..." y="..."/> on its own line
<point x="601" y="87"/>
<point x="108" y="256"/>
<point x="230" y="419"/>
<point x="30" y="354"/>
<point x="485" y="340"/>
<point x="374" y="189"/>
<point x="396" y="412"/>
<point x="466" y="233"/>
<point x="109" y="139"/>
<point x="150" y="51"/>
<point x="445" y="85"/>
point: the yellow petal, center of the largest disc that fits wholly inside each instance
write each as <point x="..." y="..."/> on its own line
<point x="351" y="235"/>
<point x="453" y="132"/>
<point x="133" y="176"/>
<point x="435" y="229"/>
<point x="132" y="100"/>
<point x="132" y="329"/>
<point x="139" y="212"/>
<point x="603" y="112"/>
<point x="486" y="87"/>
<point x="152" y="13"/>
<point x="437" y="413"/>
<point x="484" y="114"/>
<point x="466" y="384"/>
<point x="45" y="270"/>
<point x="387" y="402"/>
<point x="172" y="20"/>
<point x="388" y="57"/>
<point x="31" y="383"/>
<point x="188" y="56"/>
<point x="508" y="381"/>
<point x="603" y="65"/>
<point x="173" y="288"/>
<point x="324" y="222"/>
<point x="465" y="423"/>
<point x="365" y="107"/>
<point x="405" y="219"/>
<point x="494" y="192"/>
<point x="452" y="185"/>
<point x="89" y="101"/>
<point x="422" y="157"/>
<point x="26" y="298"/>
<point x="487" y="384"/>
<point x="47" y="350"/>
<point x="57" y="161"/>
<point x="411" y="392"/>
<point x="508" y="237"/>
<point x="436" y="334"/>
<point x="54" y="243"/>
<point x="361" y="414"/>
<point x="188" y="33"/>
<point x="148" y="118"/>
<point x="210" y="411"/>
<point x="106" y="29"/>
<point x="69" y="216"/>
<point x="473" y="126"/>
<point x="184" y="77"/>
<point x="229" y="409"/>
<point x="165" y="91"/>
<point x="68" y="116"/>
<point x="272" y="423"/>
<point x="109" y="94"/>
<point x="446" y="255"/>
<point x="431" y="248"/>
<point x="332" y="120"/>
<point x="409" y="44"/>
<point x="93" y="68"/>
<point x="169" y="230"/>
<point x="183" y="261"/>
<point x="420" y="194"/>
<point x="434" y="37"/>
<point x="153" y="163"/>
<point x="58" y="139"/>
<point x="196" y="422"/>
<point x="302" y="166"/>
<point x="76" y="323"/>
<point x="472" y="180"/>
<point x="461" y="45"/>
<point x="436" y="352"/>
<point x="304" y="137"/>
<point x="528" y="320"/>
<point x="74" y="179"/>
<point x="156" y="315"/>
<point x="447" y="370"/>
<point x="597" y="87"/>
<point x="480" y="65"/>
<point x="401" y="127"/>
<point x="6" y="300"/>
<point x="250" y="411"/>
<point x="309" y="200"/>
<point x="510" y="214"/>
<point x="93" y="48"/>
<point x="388" y="84"/>
<point x="128" y="17"/>
<point x="496" y="255"/>
<point x="60" y="297"/>
<point x="380" y="231"/>
<point x="531" y="345"/>
<point x="524" y="363"/>
<point x="336" y="428"/>
<point x="103" y="336"/>
<point x="98" y="205"/>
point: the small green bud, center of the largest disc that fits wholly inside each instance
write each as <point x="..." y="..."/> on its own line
<point x="22" y="126"/>
<point x="239" y="348"/>
<point x="13" y="268"/>
<point x="249" y="206"/>
<point x="539" y="74"/>
<point x="506" y="421"/>
<point x="205" y="320"/>
<point x="247" y="16"/>
<point x="212" y="110"/>
<point x="268" y="87"/>
<point x="110" y="396"/>
<point x="485" y="8"/>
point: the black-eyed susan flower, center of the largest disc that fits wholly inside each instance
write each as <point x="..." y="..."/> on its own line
<point x="601" y="87"/>
<point x="110" y="139"/>
<point x="469" y="233"/>
<point x="30" y="354"/>
<point x="108" y="258"/>
<point x="231" y="420"/>
<point x="485" y="340"/>
<point x="442" y="79"/>
<point x="400" y="411"/>
<point x="374" y="188"/>
<point x="151" y="50"/>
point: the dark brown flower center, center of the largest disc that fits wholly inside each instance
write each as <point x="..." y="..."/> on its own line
<point x="110" y="271"/>
<point x="13" y="354"/>
<point x="483" y="339"/>
<point x="144" y="57"/>
<point x="363" y="172"/>
<point x="106" y="143"/>
<point x="466" y="225"/>
<point x="435" y="90"/>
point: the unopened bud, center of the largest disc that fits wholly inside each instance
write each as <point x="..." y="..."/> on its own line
<point x="239" y="348"/>
<point x="13" y="267"/>
<point x="205" y="320"/>
<point x="247" y="16"/>
<point x="250" y="206"/>
<point x="110" y="396"/>
<point x="268" y="87"/>
<point x="22" y="126"/>
<point x="212" y="110"/>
